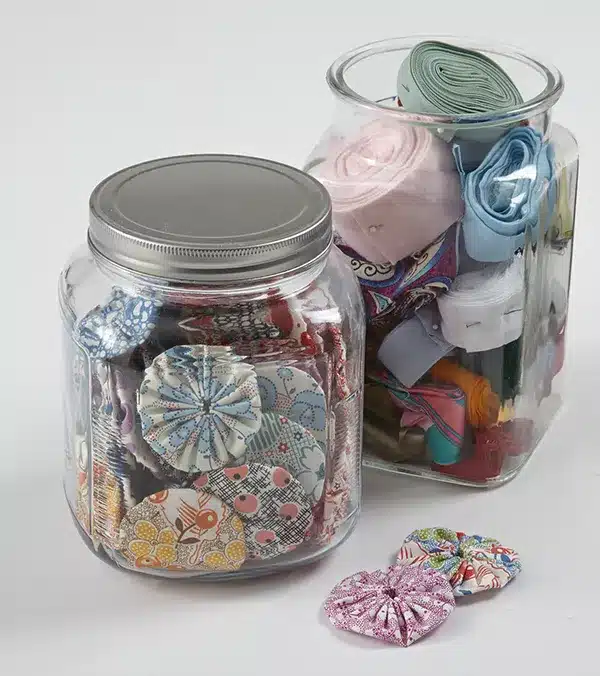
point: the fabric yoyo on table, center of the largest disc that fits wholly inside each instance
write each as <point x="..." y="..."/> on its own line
<point x="471" y="563"/>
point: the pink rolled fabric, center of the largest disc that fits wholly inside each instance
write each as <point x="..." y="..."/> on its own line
<point x="394" y="189"/>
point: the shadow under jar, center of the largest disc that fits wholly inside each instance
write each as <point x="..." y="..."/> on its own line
<point x="214" y="352"/>
<point x="453" y="199"/>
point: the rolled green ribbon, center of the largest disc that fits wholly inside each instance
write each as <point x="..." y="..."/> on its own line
<point x="438" y="78"/>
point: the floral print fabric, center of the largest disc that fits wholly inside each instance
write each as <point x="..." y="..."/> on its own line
<point x="273" y="505"/>
<point x="471" y="563"/>
<point x="296" y="395"/>
<point x="258" y="393"/>
<point x="183" y="529"/>
<point x="280" y="442"/>
<point x="199" y="406"/>
<point x="398" y="606"/>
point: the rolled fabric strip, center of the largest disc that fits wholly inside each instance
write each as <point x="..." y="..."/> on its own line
<point x="504" y="194"/>
<point x="484" y="309"/>
<point x="394" y="189"/>
<point x="439" y="78"/>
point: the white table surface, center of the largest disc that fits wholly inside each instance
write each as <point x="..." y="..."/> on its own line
<point x="88" y="88"/>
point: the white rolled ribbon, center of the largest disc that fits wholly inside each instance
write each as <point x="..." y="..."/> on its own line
<point x="394" y="189"/>
<point x="484" y="309"/>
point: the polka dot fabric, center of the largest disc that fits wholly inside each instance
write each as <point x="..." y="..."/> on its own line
<point x="471" y="563"/>
<point x="274" y="507"/>
<point x="398" y="606"/>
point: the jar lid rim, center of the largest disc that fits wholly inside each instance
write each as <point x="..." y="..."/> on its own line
<point x="336" y="79"/>
<point x="210" y="218"/>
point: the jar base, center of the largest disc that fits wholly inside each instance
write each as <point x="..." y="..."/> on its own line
<point x="259" y="569"/>
<point x="511" y="467"/>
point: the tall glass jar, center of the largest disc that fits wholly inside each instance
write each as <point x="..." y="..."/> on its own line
<point x="214" y="351"/>
<point x="454" y="201"/>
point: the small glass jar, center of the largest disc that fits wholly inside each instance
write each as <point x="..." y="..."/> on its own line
<point x="454" y="200"/>
<point x="214" y="351"/>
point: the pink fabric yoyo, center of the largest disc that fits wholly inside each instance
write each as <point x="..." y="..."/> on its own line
<point x="398" y="606"/>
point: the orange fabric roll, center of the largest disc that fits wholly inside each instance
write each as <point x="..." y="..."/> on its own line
<point x="483" y="404"/>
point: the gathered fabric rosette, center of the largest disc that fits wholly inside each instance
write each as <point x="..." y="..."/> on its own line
<point x="471" y="563"/>
<point x="399" y="605"/>
<point x="199" y="406"/>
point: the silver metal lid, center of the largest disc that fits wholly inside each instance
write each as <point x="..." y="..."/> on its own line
<point x="210" y="219"/>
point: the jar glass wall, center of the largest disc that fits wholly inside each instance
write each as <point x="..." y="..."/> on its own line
<point x="212" y="429"/>
<point x="453" y="197"/>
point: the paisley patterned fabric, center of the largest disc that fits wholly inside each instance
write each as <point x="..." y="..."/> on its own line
<point x="123" y="323"/>
<point x="404" y="287"/>
<point x="183" y="529"/>
<point x="470" y="562"/>
<point x="273" y="505"/>
<point x="199" y="406"/>
<point x="398" y="606"/>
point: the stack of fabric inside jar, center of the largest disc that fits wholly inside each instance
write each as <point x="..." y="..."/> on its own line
<point x="210" y="435"/>
<point x="459" y="235"/>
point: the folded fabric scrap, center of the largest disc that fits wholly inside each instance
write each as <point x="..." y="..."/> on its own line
<point x="443" y="79"/>
<point x="471" y="563"/>
<point x="483" y="404"/>
<point x="122" y="323"/>
<point x="383" y="434"/>
<point x="438" y="409"/>
<point x="394" y="189"/>
<point x="414" y="346"/>
<point x="504" y="196"/>
<point x="399" y="605"/>
<point x="490" y="448"/>
<point x="401" y="288"/>
<point x="484" y="309"/>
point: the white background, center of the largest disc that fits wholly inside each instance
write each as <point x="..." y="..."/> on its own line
<point x="90" y="87"/>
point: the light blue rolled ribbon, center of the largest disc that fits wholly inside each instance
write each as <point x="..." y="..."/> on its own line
<point x="504" y="194"/>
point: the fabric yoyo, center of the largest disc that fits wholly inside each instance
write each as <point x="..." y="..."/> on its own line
<point x="183" y="529"/>
<point x="199" y="406"/>
<point x="120" y="325"/>
<point x="280" y="442"/>
<point x="273" y="506"/>
<point x="400" y="605"/>
<point x="296" y="395"/>
<point x="471" y="563"/>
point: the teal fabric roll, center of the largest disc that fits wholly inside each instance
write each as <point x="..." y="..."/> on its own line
<point x="439" y="78"/>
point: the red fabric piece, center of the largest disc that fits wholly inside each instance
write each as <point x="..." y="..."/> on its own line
<point x="491" y="446"/>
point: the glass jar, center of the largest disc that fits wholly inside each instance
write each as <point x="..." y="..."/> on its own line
<point x="454" y="201"/>
<point x="214" y="351"/>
